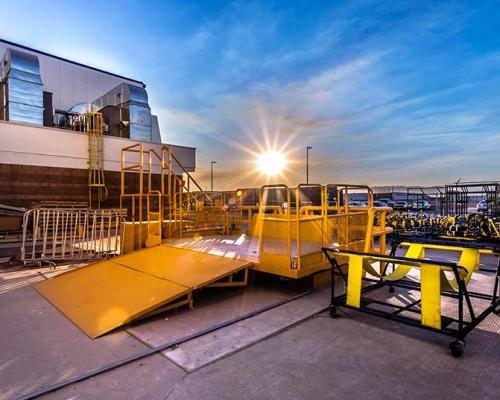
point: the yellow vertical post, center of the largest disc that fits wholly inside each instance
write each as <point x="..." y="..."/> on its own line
<point x="141" y="189"/>
<point x="150" y="172"/>
<point x="179" y="206"/>
<point x="260" y="222"/>
<point x="354" y="281"/>
<point x="297" y="210"/>
<point x="170" y="200"/>
<point x="288" y="207"/>
<point x="383" y="236"/>
<point x="122" y="180"/>
<point x="347" y="216"/>
<point x="430" y="278"/>
<point x="161" y="200"/>
<point x="370" y="197"/>
<point x="324" y="216"/>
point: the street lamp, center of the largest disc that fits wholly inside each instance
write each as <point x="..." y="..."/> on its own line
<point x="212" y="175"/>
<point x="307" y="164"/>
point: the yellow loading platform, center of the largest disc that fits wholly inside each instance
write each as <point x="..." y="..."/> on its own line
<point x="104" y="295"/>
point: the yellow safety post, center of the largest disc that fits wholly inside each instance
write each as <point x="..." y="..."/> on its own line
<point x="354" y="280"/>
<point x="430" y="284"/>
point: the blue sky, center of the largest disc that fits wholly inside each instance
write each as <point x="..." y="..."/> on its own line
<point x="385" y="92"/>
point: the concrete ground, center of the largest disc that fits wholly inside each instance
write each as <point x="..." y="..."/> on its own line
<point x="294" y="351"/>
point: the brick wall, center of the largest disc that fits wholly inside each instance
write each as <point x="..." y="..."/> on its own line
<point x="22" y="185"/>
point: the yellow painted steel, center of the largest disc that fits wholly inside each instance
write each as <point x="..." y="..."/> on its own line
<point x="447" y="247"/>
<point x="292" y="234"/>
<point x="303" y="228"/>
<point x="433" y="278"/>
<point x="183" y="266"/>
<point x="469" y="259"/>
<point x="416" y="250"/>
<point x="430" y="284"/>
<point x="156" y="188"/>
<point x="354" y="281"/>
<point x="430" y="287"/>
<point x="107" y="294"/>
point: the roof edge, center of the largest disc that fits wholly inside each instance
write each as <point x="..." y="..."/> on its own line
<point x="8" y="42"/>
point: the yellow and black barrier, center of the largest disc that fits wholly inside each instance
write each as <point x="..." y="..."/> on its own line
<point x="436" y="279"/>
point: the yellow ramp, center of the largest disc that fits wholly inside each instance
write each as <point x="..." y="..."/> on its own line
<point x="107" y="294"/>
<point x="183" y="266"/>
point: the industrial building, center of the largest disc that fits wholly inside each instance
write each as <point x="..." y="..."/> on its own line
<point x="44" y="153"/>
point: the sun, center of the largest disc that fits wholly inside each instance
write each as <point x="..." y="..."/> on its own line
<point x="271" y="163"/>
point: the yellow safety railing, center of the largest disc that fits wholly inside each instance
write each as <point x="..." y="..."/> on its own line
<point x="292" y="233"/>
<point x="143" y="227"/>
<point x="158" y="191"/>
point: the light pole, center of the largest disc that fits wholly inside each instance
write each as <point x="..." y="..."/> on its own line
<point x="212" y="175"/>
<point x="307" y="164"/>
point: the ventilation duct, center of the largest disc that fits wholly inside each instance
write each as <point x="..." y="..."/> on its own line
<point x="126" y="111"/>
<point x="155" y="130"/>
<point x="22" y="89"/>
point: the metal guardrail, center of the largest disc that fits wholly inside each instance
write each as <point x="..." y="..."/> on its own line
<point x="57" y="234"/>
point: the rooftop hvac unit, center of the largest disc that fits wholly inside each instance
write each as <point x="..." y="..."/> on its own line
<point x="126" y="111"/>
<point x="22" y="89"/>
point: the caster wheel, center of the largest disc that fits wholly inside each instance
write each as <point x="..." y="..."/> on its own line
<point x="333" y="312"/>
<point x="457" y="348"/>
<point x="497" y="310"/>
<point x="392" y="289"/>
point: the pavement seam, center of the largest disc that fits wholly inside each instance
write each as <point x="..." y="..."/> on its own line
<point x="277" y="332"/>
<point x="175" y="385"/>
<point x="272" y="334"/>
<point x="161" y="353"/>
<point x="42" y="275"/>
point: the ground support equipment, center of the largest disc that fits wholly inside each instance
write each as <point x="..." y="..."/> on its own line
<point x="392" y="271"/>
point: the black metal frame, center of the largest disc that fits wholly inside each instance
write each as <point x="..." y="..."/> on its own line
<point x="433" y="194"/>
<point x="457" y="197"/>
<point x="463" y="295"/>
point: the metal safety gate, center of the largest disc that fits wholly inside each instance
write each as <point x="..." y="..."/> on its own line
<point x="58" y="234"/>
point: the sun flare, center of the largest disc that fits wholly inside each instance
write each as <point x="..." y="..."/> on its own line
<point x="271" y="163"/>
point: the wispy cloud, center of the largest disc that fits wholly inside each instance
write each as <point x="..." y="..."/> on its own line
<point x="377" y="114"/>
<point x="384" y="92"/>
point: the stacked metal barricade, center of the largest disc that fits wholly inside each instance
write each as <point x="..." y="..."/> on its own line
<point x="77" y="234"/>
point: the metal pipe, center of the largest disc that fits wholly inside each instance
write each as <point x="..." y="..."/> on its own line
<point x="212" y="175"/>
<point x="307" y="164"/>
